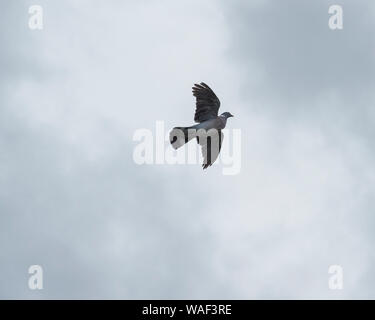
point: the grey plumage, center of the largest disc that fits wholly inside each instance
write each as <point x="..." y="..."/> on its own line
<point x="208" y="130"/>
<point x="207" y="103"/>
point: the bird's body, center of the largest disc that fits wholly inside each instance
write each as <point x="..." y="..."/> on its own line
<point x="208" y="130"/>
<point x="216" y="123"/>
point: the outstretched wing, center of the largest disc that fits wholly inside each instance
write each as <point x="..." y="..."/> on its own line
<point x="207" y="103"/>
<point x="211" y="145"/>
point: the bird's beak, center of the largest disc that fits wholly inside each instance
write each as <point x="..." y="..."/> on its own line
<point x="232" y="115"/>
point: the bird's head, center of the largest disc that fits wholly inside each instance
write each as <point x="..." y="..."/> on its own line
<point x="227" y="115"/>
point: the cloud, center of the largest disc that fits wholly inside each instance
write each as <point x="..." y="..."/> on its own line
<point x="73" y="200"/>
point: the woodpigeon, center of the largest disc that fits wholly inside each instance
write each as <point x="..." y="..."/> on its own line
<point x="208" y="130"/>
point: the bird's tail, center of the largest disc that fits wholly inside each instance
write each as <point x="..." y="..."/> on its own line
<point x="181" y="135"/>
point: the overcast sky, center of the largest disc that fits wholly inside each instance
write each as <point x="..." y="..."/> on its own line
<point x="73" y="201"/>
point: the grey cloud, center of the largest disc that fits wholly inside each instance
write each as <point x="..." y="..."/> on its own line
<point x="73" y="200"/>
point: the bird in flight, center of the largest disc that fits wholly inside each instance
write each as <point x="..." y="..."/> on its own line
<point x="208" y="130"/>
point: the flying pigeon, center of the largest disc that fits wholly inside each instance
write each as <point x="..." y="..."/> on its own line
<point x="208" y="130"/>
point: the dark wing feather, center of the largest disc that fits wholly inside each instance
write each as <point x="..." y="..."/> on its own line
<point x="207" y="103"/>
<point x="210" y="142"/>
